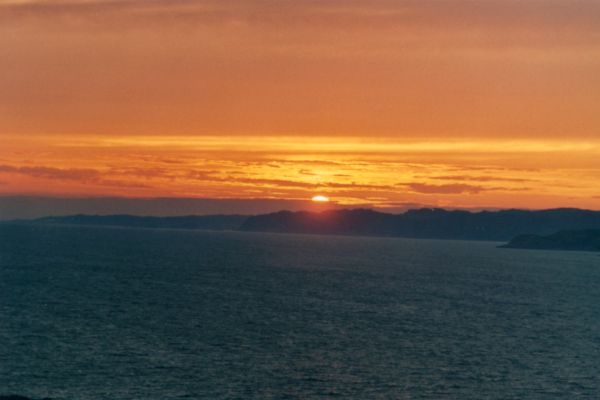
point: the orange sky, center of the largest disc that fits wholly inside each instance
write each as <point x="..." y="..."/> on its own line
<point x="448" y="103"/>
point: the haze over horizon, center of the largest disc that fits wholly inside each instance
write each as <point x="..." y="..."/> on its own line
<point x="455" y="104"/>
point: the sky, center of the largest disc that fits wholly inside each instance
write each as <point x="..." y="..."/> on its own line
<point x="388" y="104"/>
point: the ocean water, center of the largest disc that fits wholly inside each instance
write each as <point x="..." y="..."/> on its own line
<point x="108" y="313"/>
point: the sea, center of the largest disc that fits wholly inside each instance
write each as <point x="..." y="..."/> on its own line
<point x="118" y="313"/>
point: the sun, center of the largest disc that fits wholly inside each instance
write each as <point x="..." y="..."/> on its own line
<point x="320" y="199"/>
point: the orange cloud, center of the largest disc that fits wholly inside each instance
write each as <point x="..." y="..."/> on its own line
<point x="455" y="188"/>
<point x="52" y="173"/>
<point x="492" y="173"/>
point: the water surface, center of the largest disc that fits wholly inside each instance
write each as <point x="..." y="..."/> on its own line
<point x="101" y="313"/>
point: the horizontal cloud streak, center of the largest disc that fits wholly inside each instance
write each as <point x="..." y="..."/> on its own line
<point x="81" y="175"/>
<point x="454" y="188"/>
<point x="52" y="173"/>
<point x="478" y="178"/>
<point x="529" y="15"/>
<point x="274" y="168"/>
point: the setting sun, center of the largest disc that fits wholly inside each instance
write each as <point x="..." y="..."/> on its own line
<point x="320" y="199"/>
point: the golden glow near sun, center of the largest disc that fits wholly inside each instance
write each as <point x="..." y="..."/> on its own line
<point x="320" y="199"/>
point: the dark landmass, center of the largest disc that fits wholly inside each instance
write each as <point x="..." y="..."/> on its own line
<point x="582" y="240"/>
<point x="423" y="223"/>
<point x="208" y="222"/>
<point x="427" y="223"/>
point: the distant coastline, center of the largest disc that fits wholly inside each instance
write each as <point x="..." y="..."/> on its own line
<point x="424" y="223"/>
<point x="207" y="222"/>
<point x="578" y="240"/>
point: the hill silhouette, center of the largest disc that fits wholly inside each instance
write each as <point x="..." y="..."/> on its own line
<point x="427" y="223"/>
<point x="584" y="240"/>
<point x="211" y="222"/>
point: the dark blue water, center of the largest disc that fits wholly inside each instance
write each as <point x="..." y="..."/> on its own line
<point x="97" y="313"/>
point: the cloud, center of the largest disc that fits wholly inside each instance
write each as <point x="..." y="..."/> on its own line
<point x="311" y="185"/>
<point x="53" y="173"/>
<point x="354" y="185"/>
<point x="209" y="176"/>
<point x="203" y="175"/>
<point x="148" y="172"/>
<point x="161" y="160"/>
<point x="83" y="175"/>
<point x="528" y="21"/>
<point x="478" y="178"/>
<point x="326" y="163"/>
<point x="125" y="177"/>
<point x="490" y="13"/>
<point x="124" y="184"/>
<point x="275" y="182"/>
<point x="459" y="188"/>
<point x="454" y="188"/>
